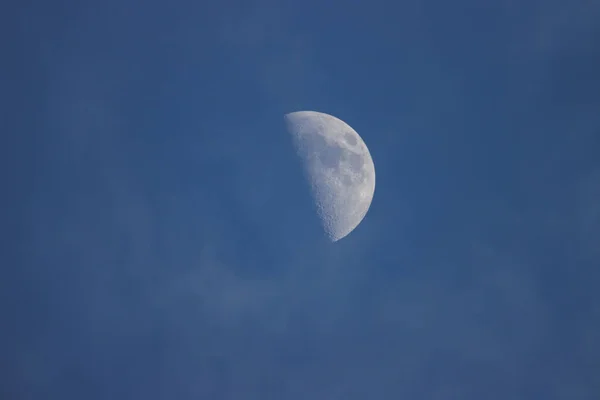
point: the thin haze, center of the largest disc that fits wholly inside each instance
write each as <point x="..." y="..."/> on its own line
<point x="159" y="242"/>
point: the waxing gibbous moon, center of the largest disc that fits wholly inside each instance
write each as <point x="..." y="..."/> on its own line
<point x="338" y="166"/>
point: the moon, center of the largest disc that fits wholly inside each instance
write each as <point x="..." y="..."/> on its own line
<point x="338" y="166"/>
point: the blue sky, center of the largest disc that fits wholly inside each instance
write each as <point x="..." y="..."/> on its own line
<point x="159" y="239"/>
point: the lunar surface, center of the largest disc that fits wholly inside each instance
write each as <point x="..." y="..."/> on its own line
<point x="338" y="166"/>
